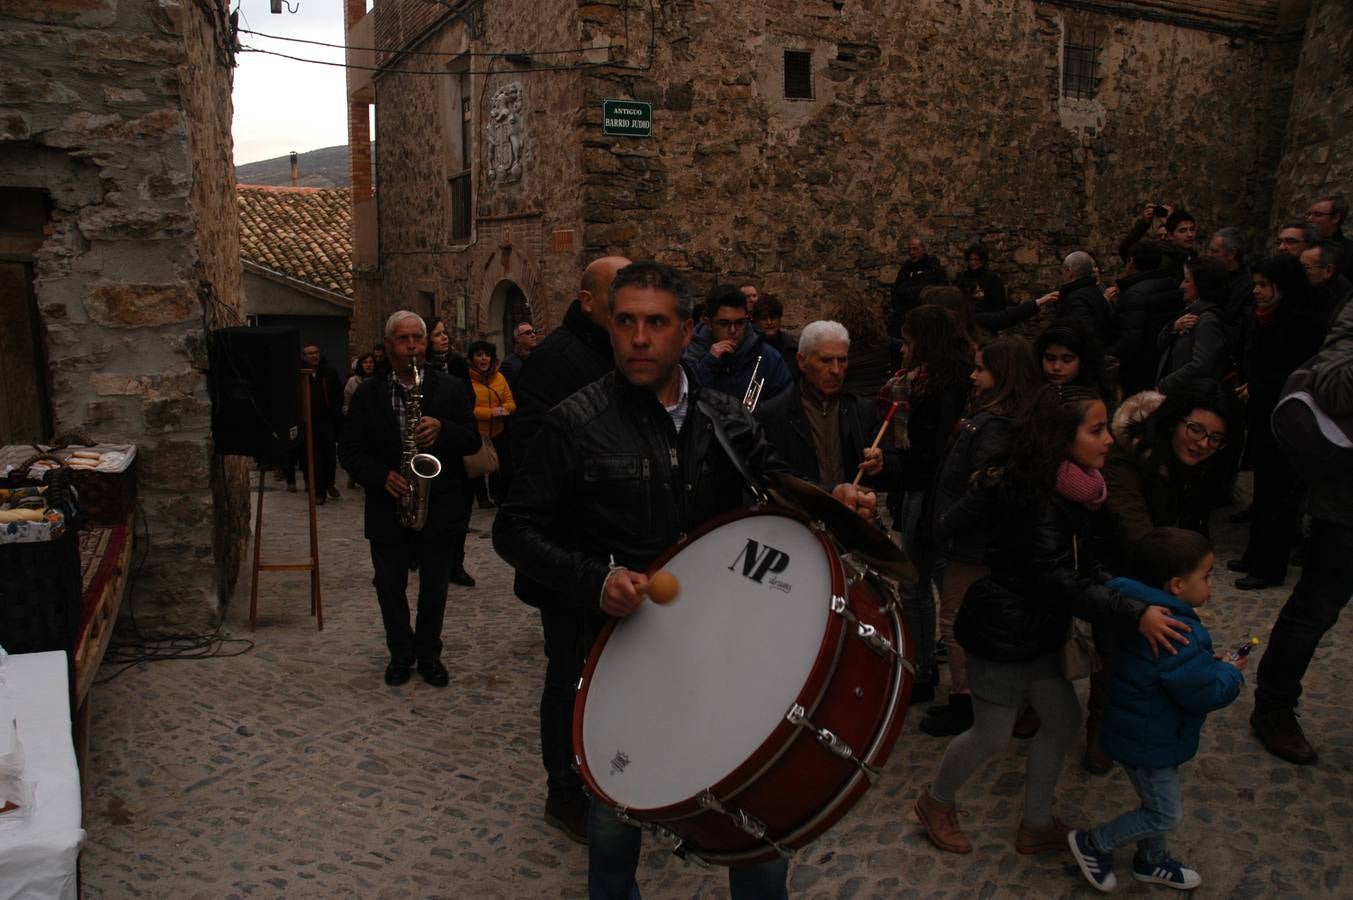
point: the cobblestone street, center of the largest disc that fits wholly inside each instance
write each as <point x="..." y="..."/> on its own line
<point x="293" y="771"/>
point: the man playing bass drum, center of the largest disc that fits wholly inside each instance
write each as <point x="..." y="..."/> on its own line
<point x="616" y="473"/>
<point x="371" y="449"/>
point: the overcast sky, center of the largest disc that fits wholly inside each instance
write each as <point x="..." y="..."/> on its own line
<point x="281" y="105"/>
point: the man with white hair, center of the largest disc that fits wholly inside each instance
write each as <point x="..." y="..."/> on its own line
<point x="371" y="449"/>
<point x="821" y="431"/>
<point x="1080" y="298"/>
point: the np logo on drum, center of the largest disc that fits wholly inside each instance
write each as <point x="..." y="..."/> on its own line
<point x="759" y="561"/>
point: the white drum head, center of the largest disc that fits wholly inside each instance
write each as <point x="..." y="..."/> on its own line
<point x="683" y="694"/>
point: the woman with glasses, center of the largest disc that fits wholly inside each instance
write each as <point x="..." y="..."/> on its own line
<point x="1172" y="459"/>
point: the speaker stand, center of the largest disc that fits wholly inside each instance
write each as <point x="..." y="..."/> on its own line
<point x="316" y="602"/>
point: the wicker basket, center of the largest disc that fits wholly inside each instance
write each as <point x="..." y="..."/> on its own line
<point x="106" y="498"/>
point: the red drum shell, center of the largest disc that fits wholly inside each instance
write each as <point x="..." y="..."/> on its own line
<point x="791" y="783"/>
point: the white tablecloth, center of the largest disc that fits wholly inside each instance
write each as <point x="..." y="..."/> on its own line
<point x="38" y="855"/>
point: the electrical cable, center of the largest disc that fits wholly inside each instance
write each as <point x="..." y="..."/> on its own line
<point x="444" y="53"/>
<point x="387" y="70"/>
<point x="652" y="52"/>
<point x="205" y="644"/>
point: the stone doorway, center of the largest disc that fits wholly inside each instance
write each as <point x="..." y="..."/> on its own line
<point x="508" y="308"/>
<point x="25" y="400"/>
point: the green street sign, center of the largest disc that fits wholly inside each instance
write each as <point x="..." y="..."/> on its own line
<point x="628" y="118"/>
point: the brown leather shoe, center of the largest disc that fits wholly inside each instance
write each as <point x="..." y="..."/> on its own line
<point x="1282" y="736"/>
<point x="941" y="824"/>
<point x="1031" y="839"/>
<point x="569" y="815"/>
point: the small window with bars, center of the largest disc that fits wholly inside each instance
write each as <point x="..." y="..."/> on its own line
<point x="1080" y="63"/>
<point x="460" y="207"/>
<point x="798" y="75"/>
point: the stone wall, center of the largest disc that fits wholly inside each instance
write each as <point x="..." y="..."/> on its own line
<point x="528" y="225"/>
<point x="121" y="112"/>
<point x="951" y="127"/>
<point x="939" y="118"/>
<point x="1317" y="155"/>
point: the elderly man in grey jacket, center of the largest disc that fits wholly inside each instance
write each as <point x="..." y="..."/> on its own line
<point x="1327" y="579"/>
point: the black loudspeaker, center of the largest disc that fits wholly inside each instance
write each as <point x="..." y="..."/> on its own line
<point x="254" y="383"/>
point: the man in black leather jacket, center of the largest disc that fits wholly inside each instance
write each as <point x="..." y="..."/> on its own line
<point x="616" y="473"/>
<point x="575" y="354"/>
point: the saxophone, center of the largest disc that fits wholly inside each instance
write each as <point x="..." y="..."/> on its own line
<point x="418" y="469"/>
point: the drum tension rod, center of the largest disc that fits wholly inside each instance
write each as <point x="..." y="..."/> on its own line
<point x="676" y="843"/>
<point x="863" y="572"/>
<point x="745" y="822"/>
<point x="834" y="745"/>
<point x="870" y="635"/>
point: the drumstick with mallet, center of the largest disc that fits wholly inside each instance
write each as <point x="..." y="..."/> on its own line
<point x="878" y="438"/>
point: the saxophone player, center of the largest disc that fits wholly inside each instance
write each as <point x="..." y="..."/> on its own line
<point x="372" y="450"/>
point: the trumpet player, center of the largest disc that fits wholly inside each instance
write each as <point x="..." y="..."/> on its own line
<point x="728" y="354"/>
<point x="372" y="450"/>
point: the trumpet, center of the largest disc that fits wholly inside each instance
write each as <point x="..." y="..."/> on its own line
<point x="754" y="385"/>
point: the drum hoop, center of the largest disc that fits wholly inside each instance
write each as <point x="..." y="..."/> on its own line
<point x="784" y="734"/>
<point x="880" y="744"/>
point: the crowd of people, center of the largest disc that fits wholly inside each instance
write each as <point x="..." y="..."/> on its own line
<point x="1049" y="464"/>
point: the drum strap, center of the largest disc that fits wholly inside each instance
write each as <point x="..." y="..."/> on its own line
<point x="754" y="485"/>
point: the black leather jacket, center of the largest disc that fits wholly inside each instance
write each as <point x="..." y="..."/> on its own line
<point x="575" y="354"/>
<point x="609" y="478"/>
<point x="1043" y="571"/>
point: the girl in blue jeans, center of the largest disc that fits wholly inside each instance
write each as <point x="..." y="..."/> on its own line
<point x="1155" y="711"/>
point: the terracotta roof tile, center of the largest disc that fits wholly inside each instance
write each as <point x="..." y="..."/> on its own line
<point x="303" y="233"/>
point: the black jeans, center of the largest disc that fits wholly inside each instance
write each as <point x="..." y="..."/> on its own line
<point x="391" y="561"/>
<point x="1276" y="522"/>
<point x="565" y="652"/>
<point x="1325" y="587"/>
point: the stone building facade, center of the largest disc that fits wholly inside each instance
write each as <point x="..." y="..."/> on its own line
<point x="115" y="143"/>
<point x="1317" y="158"/>
<point x="800" y="144"/>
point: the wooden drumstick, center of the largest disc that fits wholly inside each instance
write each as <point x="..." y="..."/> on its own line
<point x="878" y="438"/>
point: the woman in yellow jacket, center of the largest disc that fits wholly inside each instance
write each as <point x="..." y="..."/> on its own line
<point x="493" y="405"/>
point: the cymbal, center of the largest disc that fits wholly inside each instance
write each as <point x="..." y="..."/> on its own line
<point x="863" y="539"/>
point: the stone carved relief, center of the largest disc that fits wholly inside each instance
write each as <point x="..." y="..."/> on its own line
<point x="507" y="134"/>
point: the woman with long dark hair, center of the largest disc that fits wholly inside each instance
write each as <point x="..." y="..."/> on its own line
<point x="1284" y="332"/>
<point x="1046" y="503"/>
<point x="1004" y="376"/>
<point x="930" y="389"/>
<point x="441" y="355"/>
<point x="1173" y="458"/>
<point x="1193" y="347"/>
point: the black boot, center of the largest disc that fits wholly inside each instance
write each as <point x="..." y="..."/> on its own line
<point x="956" y="718"/>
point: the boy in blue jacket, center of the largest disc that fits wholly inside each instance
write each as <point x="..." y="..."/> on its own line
<point x="1155" y="711"/>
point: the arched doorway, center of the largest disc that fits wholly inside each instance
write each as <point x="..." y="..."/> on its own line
<point x="508" y="308"/>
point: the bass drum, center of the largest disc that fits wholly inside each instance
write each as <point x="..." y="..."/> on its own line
<point x="749" y="715"/>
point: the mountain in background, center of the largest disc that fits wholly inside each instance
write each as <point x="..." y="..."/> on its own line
<point x="324" y="168"/>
